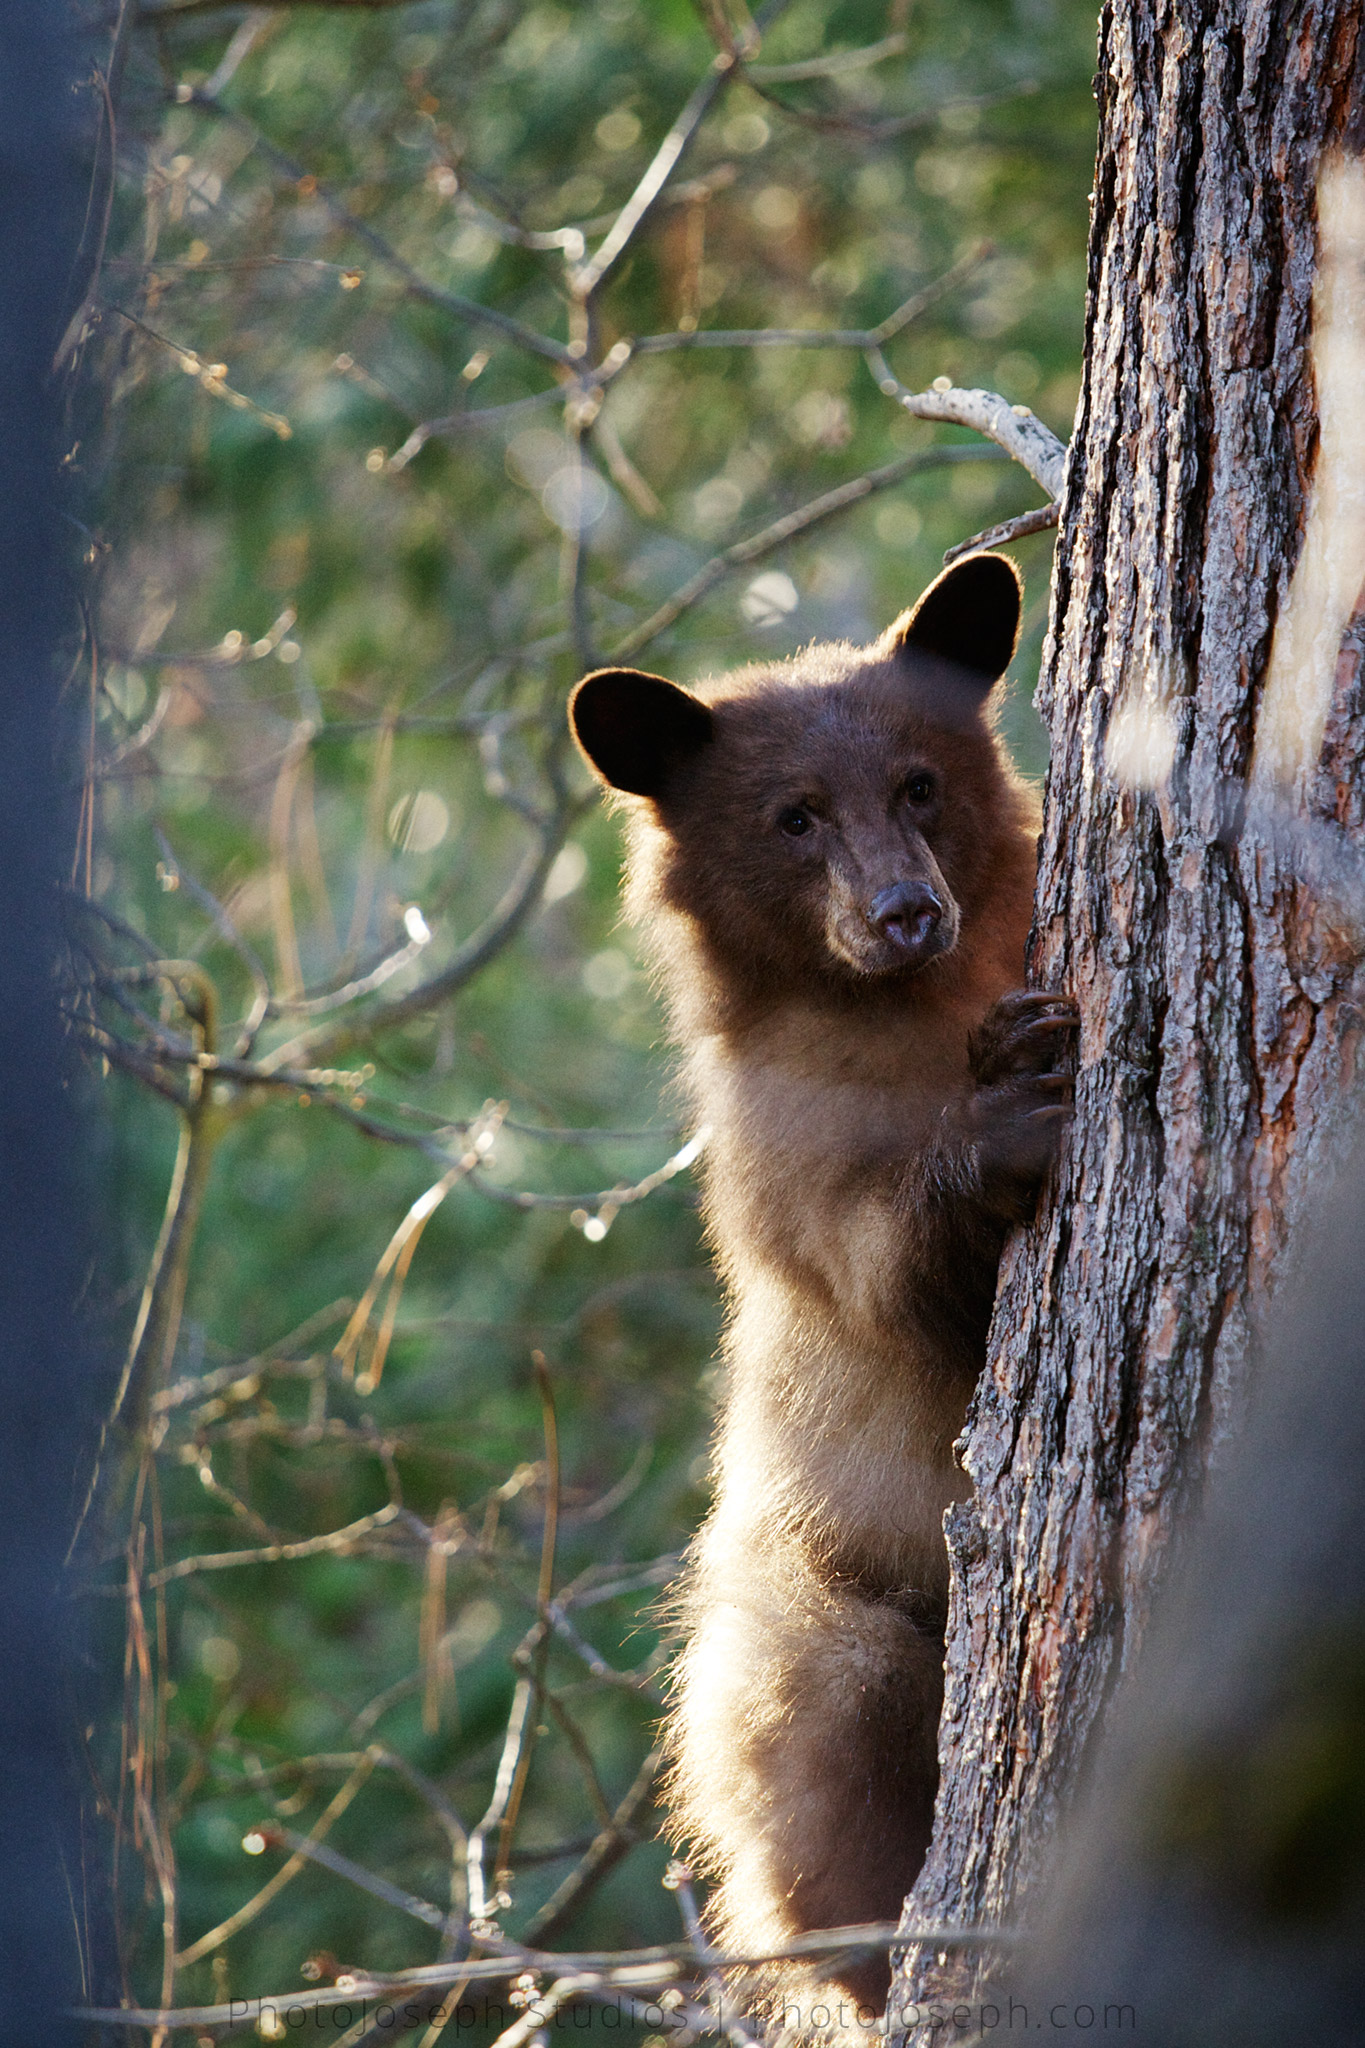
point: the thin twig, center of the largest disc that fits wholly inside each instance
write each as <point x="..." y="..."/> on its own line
<point x="605" y="1673"/>
<point x="365" y="983"/>
<point x="247" y="954"/>
<point x="819" y="337"/>
<point x="211" y="377"/>
<point x="834" y="64"/>
<point x="640" y="1969"/>
<point x="341" y="1541"/>
<point x="678" y="1879"/>
<point x="419" y="287"/>
<point x="260" y="1779"/>
<point x="1018" y="528"/>
<point x="173" y="10"/>
<point x="578" y="1743"/>
<point x="137" y="741"/>
<point x="603" y="1856"/>
<point x="544" y="1593"/>
<point x="746" y="552"/>
<point x="601" y="1207"/>
<point x="151" y="1348"/>
<point x="588" y="276"/>
<point x="276" y="1837"/>
<point x="492" y="937"/>
<point x="270" y="1360"/>
<point x="109" y="81"/>
<point x="480" y="1904"/>
<point x="891" y="125"/>
<point x="255" y="1905"/>
<point x="469" y="421"/>
<point x="148" y="1758"/>
<point x="579" y="421"/>
<point x="398" y="1255"/>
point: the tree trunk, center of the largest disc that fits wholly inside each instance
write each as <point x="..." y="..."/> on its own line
<point x="52" y="1385"/>
<point x="1221" y="994"/>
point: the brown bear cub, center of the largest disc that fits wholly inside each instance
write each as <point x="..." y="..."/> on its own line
<point x="833" y="863"/>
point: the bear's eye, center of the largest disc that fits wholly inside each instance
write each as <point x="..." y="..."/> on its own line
<point x="919" y="789"/>
<point x="796" y="821"/>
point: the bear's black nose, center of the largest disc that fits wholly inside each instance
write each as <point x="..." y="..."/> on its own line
<point x="907" y="914"/>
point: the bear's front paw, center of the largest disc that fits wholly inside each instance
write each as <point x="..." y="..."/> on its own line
<point x="1026" y="1033"/>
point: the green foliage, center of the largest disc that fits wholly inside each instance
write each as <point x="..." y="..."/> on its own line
<point x="334" y="644"/>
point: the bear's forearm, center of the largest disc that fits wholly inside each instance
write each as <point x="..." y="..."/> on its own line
<point x="953" y="1237"/>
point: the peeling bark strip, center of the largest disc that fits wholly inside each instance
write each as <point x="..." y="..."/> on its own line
<point x="1221" y="995"/>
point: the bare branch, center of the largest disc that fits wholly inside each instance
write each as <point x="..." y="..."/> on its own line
<point x="364" y="984"/>
<point x="260" y="1778"/>
<point x="129" y="1061"/>
<point x="542" y="2008"/>
<point x="398" y="1255"/>
<point x="254" y="28"/>
<point x="575" y="571"/>
<point x="143" y="737"/>
<point x="578" y="1743"/>
<point x="269" y="1360"/>
<point x="108" y="82"/>
<point x="211" y="377"/>
<point x="606" y="1852"/>
<point x="894" y="124"/>
<point x="151" y="1348"/>
<point x="509" y="1763"/>
<point x="629" y="1681"/>
<point x="433" y="1796"/>
<point x="1018" y="528"/>
<point x="837" y="64"/>
<point x="746" y="552"/>
<point x="257" y="1903"/>
<point x="497" y="932"/>
<point x="534" y="1660"/>
<point x="173" y="10"/>
<point x="468" y="310"/>
<point x="234" y="650"/>
<point x="601" y="1207"/>
<point x="276" y="1837"/>
<point x="248" y="955"/>
<point x="638" y="1969"/>
<point x="166" y="1050"/>
<point x="1016" y="428"/>
<point x="588" y="276"/>
<point x="623" y="472"/>
<point x="679" y="1878"/>
<point x="75" y="899"/>
<point x="472" y="418"/>
<point x="657" y="1572"/>
<point x="566" y="241"/>
<point x="339" y="1541"/>
<point x="817" y="337"/>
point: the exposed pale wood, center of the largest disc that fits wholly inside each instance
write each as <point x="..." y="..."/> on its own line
<point x="1221" y="998"/>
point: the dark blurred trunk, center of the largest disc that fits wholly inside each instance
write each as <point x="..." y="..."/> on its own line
<point x="1214" y="1889"/>
<point x="51" y="1901"/>
<point x="1220" y="987"/>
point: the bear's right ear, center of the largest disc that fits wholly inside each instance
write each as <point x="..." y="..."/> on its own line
<point x="636" y="729"/>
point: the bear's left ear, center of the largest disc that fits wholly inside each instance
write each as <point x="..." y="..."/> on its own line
<point x="969" y="616"/>
<point x="637" y="729"/>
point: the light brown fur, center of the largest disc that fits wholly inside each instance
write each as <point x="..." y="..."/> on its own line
<point x="867" y="1153"/>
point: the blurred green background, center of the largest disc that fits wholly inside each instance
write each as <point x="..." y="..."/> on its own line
<point x="332" y="645"/>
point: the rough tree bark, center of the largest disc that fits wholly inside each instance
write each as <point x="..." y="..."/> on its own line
<point x="1221" y="994"/>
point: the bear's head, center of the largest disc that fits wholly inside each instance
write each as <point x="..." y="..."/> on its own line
<point x="834" y="818"/>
